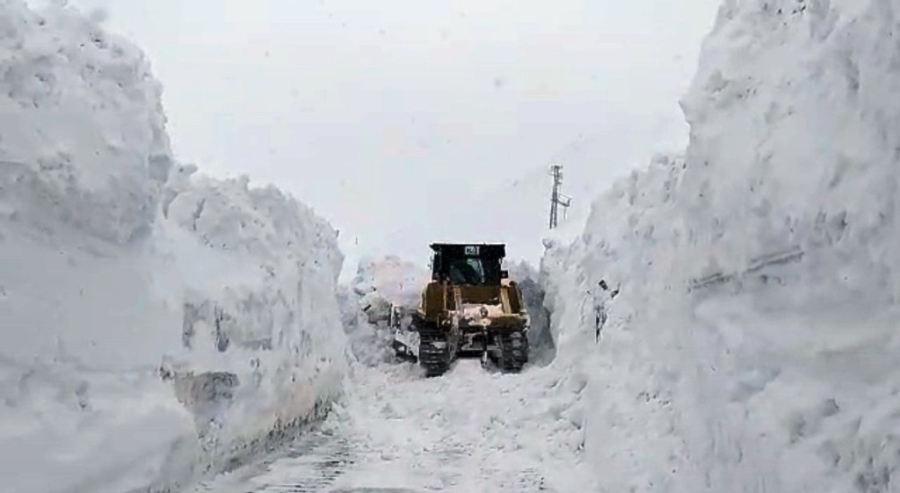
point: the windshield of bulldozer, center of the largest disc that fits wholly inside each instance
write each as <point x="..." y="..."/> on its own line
<point x="467" y="270"/>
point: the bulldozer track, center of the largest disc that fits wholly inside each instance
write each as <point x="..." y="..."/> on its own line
<point x="435" y="353"/>
<point x="513" y="351"/>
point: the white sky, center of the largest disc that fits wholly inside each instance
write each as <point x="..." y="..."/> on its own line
<point x="398" y="120"/>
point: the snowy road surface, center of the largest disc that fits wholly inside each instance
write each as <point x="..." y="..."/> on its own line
<point x="469" y="431"/>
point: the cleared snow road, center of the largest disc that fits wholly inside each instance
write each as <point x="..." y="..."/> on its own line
<point x="468" y="431"/>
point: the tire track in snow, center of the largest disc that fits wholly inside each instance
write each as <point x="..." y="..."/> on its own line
<point x="396" y="432"/>
<point x="309" y="465"/>
<point x="313" y="472"/>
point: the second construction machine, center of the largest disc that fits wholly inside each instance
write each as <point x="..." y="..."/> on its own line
<point x="469" y="308"/>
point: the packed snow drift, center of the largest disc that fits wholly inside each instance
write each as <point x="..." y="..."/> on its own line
<point x="155" y="325"/>
<point x="366" y="303"/>
<point x="388" y="281"/>
<point x="752" y="346"/>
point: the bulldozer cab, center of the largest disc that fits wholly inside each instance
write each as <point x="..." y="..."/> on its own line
<point x="468" y="265"/>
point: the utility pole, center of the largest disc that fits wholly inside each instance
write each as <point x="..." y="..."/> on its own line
<point x="556" y="198"/>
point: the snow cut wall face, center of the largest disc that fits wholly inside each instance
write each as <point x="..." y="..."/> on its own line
<point x="82" y="125"/>
<point x="141" y="307"/>
<point x="794" y="114"/>
<point x="82" y="156"/>
<point x="257" y="272"/>
<point x="752" y="347"/>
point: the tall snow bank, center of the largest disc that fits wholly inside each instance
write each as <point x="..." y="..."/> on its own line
<point x="621" y="389"/>
<point x="751" y="347"/>
<point x="82" y="124"/>
<point x="140" y="348"/>
<point x="253" y="274"/>
<point x="82" y="156"/>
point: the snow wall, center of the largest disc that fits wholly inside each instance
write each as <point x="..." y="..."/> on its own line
<point x="753" y="344"/>
<point x="155" y="325"/>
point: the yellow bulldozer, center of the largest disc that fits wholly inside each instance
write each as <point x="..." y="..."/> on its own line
<point x="469" y="308"/>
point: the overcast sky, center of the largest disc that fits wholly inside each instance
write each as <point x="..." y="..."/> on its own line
<point x="394" y="118"/>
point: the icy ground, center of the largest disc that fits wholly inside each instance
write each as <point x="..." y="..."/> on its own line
<point x="471" y="430"/>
